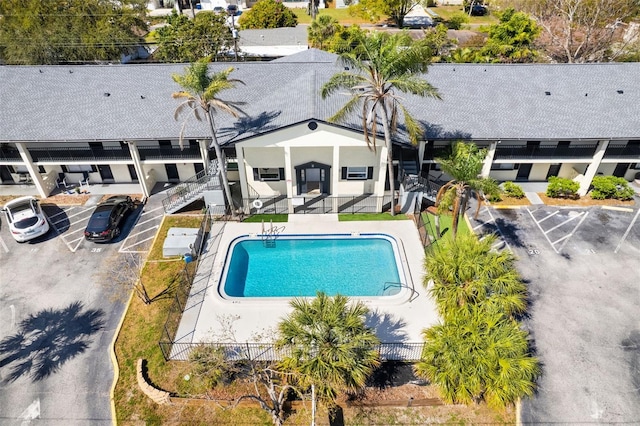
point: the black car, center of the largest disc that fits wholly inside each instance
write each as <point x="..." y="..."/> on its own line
<point x="104" y="224"/>
<point x="479" y="10"/>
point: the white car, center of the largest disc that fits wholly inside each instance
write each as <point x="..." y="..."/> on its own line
<point x="25" y="218"/>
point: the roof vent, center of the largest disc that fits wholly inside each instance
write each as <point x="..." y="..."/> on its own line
<point x="454" y="69"/>
<point x="41" y="71"/>
<point x="346" y="68"/>
<point x="620" y="92"/>
<point x="106" y="94"/>
<point x="70" y="71"/>
<point x="141" y="97"/>
<point x="586" y="94"/>
<point x="547" y="93"/>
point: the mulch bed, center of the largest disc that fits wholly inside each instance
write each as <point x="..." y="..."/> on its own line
<point x="585" y="201"/>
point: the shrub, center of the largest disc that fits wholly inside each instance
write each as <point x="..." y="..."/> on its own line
<point x="562" y="188"/>
<point x="267" y="14"/>
<point x="456" y="20"/>
<point x="611" y="187"/>
<point x="513" y="190"/>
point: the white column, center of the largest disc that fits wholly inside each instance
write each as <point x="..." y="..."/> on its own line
<point x="421" y="147"/>
<point x="335" y="177"/>
<point x="32" y="169"/>
<point x="382" y="174"/>
<point x="204" y="152"/>
<point x="137" y="164"/>
<point x="592" y="168"/>
<point x="488" y="160"/>
<point x="288" y="175"/>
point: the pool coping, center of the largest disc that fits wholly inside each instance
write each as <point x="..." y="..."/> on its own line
<point x="208" y="319"/>
<point x="404" y="275"/>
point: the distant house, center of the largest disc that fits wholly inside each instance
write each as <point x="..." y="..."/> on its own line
<point x="114" y="124"/>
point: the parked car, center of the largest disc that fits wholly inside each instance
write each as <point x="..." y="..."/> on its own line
<point x="25" y="219"/>
<point x="218" y="9"/>
<point x="106" y="220"/>
<point x="479" y="10"/>
<point x="233" y="10"/>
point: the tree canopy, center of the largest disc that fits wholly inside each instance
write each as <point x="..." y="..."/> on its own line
<point x="187" y="40"/>
<point x="267" y="14"/>
<point x="373" y="10"/>
<point x="63" y="31"/>
<point x="512" y="39"/>
<point x="579" y="30"/>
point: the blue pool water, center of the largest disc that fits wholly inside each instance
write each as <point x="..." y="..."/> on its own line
<point x="299" y="267"/>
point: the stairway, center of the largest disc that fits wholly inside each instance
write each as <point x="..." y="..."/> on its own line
<point x="191" y="189"/>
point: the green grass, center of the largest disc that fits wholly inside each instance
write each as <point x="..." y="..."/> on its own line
<point x="267" y="218"/>
<point x="341" y="15"/>
<point x="370" y="216"/>
<point x="445" y="12"/>
<point x="446" y="222"/>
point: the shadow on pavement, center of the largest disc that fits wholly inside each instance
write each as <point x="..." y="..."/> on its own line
<point x="48" y="339"/>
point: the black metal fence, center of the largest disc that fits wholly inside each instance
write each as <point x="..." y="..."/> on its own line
<point x="320" y="204"/>
<point x="512" y="152"/>
<point x="183" y="286"/>
<point x="80" y="153"/>
<point x="156" y="152"/>
<point x="176" y="351"/>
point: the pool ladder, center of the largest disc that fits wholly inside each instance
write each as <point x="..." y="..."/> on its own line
<point x="270" y="234"/>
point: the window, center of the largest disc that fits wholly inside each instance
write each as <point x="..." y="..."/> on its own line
<point x="635" y="166"/>
<point x="268" y="174"/>
<point x="78" y="169"/>
<point x="357" y="173"/>
<point x="503" y="166"/>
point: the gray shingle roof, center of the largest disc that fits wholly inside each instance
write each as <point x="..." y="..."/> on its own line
<point x="49" y="103"/>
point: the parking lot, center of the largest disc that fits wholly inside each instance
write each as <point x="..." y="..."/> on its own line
<point x="582" y="266"/>
<point x="57" y="318"/>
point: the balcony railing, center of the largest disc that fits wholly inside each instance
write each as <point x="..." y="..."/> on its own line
<point x="148" y="152"/>
<point x="10" y="155"/>
<point x="80" y="154"/>
<point x="516" y="152"/>
<point x="623" y="151"/>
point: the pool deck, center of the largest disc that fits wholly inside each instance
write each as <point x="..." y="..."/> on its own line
<point x="210" y="318"/>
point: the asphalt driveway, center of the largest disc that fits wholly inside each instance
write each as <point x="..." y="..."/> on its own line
<point x="582" y="266"/>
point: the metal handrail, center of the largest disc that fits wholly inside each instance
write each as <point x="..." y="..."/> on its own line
<point x="413" y="285"/>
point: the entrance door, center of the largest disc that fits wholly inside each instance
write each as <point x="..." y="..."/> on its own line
<point x="621" y="169"/>
<point x="523" y="171"/>
<point x="313" y="181"/>
<point x="172" y="172"/>
<point x="554" y="169"/>
<point x="105" y="174"/>
<point x="5" y="175"/>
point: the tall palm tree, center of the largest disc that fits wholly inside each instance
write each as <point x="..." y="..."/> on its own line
<point x="465" y="272"/>
<point x="322" y="30"/>
<point x="330" y="346"/>
<point x="464" y="165"/>
<point x="200" y="91"/>
<point x="381" y="67"/>
<point x="479" y="355"/>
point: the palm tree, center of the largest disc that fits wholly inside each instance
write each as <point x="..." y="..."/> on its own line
<point x="200" y="91"/>
<point x="379" y="67"/>
<point x="329" y="344"/>
<point x="322" y="30"/>
<point x="479" y="355"/>
<point x="465" y="272"/>
<point x="464" y="165"/>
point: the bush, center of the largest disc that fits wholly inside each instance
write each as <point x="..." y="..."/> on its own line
<point x="456" y="20"/>
<point x="513" y="190"/>
<point x="605" y="187"/>
<point x="267" y="14"/>
<point x="562" y="188"/>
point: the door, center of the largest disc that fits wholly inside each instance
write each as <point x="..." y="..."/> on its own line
<point x="313" y="181"/>
<point x="172" y="172"/>
<point x="554" y="169"/>
<point x="105" y="173"/>
<point x="5" y="175"/>
<point x="523" y="171"/>
<point x="621" y="169"/>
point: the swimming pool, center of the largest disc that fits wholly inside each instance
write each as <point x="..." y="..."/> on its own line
<point x="300" y="265"/>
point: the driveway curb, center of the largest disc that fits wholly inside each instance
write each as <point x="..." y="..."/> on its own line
<point x="112" y="351"/>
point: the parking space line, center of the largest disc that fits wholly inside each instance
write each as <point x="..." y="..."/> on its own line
<point x="566" y="221"/>
<point x="4" y="246"/>
<point x="574" y="230"/>
<point x="626" y="233"/>
<point x="548" y="216"/>
<point x="146" y="221"/>
<point x="153" y="210"/>
<point x="144" y="231"/>
<point x="137" y="243"/>
<point x="561" y="239"/>
<point x="493" y="219"/>
<point x="542" y="230"/>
